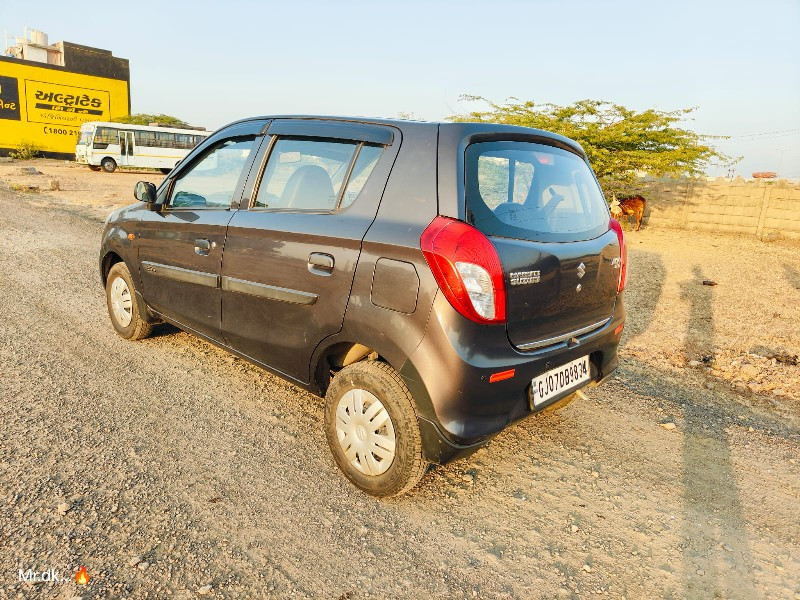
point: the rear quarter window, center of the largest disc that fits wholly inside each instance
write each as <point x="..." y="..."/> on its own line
<point x="532" y="191"/>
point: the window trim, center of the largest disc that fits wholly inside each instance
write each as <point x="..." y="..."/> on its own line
<point x="349" y="175"/>
<point x="335" y="130"/>
<point x="274" y="139"/>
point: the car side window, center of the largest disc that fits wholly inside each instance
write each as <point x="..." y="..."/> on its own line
<point x="367" y="159"/>
<point x="309" y="174"/>
<point x="211" y="181"/>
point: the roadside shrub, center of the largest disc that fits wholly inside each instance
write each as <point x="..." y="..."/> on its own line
<point x="26" y="150"/>
<point x="19" y="187"/>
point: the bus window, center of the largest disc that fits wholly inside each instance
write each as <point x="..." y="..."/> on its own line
<point x="86" y="136"/>
<point x="185" y="141"/>
<point x="145" y="138"/>
<point x="165" y="139"/>
<point x="105" y="136"/>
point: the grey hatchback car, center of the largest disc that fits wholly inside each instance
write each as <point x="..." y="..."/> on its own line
<point x="434" y="282"/>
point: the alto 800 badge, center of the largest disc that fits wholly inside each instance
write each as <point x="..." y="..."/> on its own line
<point x="525" y="277"/>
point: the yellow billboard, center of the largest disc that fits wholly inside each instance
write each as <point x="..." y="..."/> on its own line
<point x="46" y="105"/>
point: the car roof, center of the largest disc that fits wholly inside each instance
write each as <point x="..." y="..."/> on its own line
<point x="459" y="128"/>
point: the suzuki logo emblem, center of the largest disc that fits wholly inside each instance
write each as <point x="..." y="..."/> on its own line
<point x="581" y="270"/>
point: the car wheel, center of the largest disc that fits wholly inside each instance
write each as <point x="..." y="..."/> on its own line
<point x="122" y="306"/>
<point x="372" y="430"/>
<point x="94" y="167"/>
<point x="109" y="165"/>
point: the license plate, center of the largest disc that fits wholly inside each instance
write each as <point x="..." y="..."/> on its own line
<point x="555" y="381"/>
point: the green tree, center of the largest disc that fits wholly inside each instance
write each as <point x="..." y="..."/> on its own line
<point x="146" y="119"/>
<point x="619" y="142"/>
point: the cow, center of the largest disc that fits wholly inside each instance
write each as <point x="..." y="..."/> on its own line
<point x="632" y="205"/>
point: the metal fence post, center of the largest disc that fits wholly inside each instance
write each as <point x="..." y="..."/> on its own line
<point x="764" y="205"/>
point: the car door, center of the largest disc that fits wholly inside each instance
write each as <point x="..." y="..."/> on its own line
<point x="292" y="250"/>
<point x="180" y="246"/>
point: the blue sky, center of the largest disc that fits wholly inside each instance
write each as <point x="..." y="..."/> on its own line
<point x="212" y="62"/>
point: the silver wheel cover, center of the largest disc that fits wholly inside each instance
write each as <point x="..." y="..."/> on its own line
<point x="365" y="432"/>
<point x="121" y="302"/>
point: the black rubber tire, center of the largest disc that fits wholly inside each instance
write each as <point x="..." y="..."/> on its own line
<point x="137" y="329"/>
<point x="94" y="167"/>
<point x="108" y="164"/>
<point x="385" y="383"/>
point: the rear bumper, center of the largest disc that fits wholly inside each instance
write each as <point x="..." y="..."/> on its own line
<point x="448" y="375"/>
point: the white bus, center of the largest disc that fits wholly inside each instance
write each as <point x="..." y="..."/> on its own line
<point x="110" y="145"/>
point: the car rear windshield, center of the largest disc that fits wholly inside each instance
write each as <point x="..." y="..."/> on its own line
<point x="532" y="191"/>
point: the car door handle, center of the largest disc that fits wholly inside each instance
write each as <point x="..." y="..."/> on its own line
<point x="203" y="247"/>
<point x="320" y="263"/>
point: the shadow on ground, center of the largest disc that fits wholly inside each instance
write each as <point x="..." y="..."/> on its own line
<point x="713" y="513"/>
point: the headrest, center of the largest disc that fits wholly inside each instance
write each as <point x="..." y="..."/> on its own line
<point x="309" y="187"/>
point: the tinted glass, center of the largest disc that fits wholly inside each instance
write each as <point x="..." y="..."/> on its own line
<point x="304" y="174"/>
<point x="367" y="159"/>
<point x="106" y="136"/>
<point x="210" y="183"/>
<point x="165" y="139"/>
<point x="145" y="138"/>
<point x="532" y="191"/>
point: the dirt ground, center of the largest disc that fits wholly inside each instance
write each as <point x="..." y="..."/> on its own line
<point x="167" y="466"/>
<point x="77" y="185"/>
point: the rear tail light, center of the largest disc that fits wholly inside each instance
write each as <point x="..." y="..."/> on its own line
<point x="467" y="268"/>
<point x="623" y="254"/>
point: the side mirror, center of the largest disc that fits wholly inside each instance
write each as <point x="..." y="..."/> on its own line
<point x="146" y="192"/>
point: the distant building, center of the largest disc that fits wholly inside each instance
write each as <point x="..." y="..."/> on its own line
<point x="48" y="90"/>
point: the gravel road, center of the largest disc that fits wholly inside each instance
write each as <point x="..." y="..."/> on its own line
<point x="168" y="466"/>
